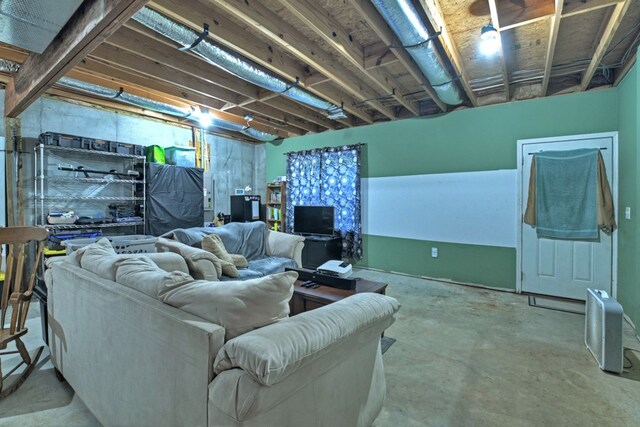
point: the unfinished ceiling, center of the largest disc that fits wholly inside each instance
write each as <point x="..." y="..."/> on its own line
<point x="345" y="54"/>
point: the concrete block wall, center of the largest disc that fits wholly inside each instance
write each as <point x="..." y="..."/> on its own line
<point x="234" y="163"/>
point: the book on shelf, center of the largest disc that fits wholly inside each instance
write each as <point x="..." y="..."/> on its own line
<point x="274" y="214"/>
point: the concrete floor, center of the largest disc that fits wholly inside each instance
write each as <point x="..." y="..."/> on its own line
<point x="463" y="356"/>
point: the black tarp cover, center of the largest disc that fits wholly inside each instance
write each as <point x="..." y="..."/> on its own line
<point x="175" y="198"/>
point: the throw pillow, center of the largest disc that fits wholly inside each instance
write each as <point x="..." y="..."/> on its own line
<point x="239" y="261"/>
<point x="213" y="243"/>
<point x="100" y="258"/>
<point x="237" y="306"/>
<point x="145" y="276"/>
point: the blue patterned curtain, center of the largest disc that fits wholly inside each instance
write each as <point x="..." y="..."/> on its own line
<point x="328" y="177"/>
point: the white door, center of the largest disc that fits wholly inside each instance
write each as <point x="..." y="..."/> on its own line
<point x="565" y="268"/>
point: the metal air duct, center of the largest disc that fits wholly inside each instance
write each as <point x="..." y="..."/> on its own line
<point x="146" y="103"/>
<point x="405" y="21"/>
<point x="231" y="61"/>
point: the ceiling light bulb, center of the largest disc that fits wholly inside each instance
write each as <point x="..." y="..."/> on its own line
<point x="489" y="42"/>
<point x="205" y="119"/>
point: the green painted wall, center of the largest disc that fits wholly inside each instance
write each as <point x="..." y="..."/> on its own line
<point x="628" y="232"/>
<point x="475" y="139"/>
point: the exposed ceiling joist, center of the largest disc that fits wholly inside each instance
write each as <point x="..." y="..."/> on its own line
<point x="130" y="61"/>
<point x="434" y="12"/>
<point x="277" y="115"/>
<point x="146" y="44"/>
<point x="576" y="7"/>
<point x="514" y="14"/>
<point x="378" y="55"/>
<point x="98" y="67"/>
<point x="90" y="25"/>
<point x="380" y="27"/>
<point x="337" y="37"/>
<point x="551" y="45"/>
<point x="503" y="60"/>
<point x="284" y="34"/>
<point x="605" y="40"/>
<point x="229" y="34"/>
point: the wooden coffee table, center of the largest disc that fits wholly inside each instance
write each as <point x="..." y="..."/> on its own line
<point x="305" y="299"/>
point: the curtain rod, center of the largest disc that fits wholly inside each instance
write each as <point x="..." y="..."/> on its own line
<point x="537" y="152"/>
<point x="324" y="148"/>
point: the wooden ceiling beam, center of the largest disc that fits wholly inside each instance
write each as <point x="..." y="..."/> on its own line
<point x="97" y="67"/>
<point x="503" y="58"/>
<point x="90" y="25"/>
<point x="260" y="108"/>
<point x="121" y="58"/>
<point x="378" y="55"/>
<point x="284" y="34"/>
<point x="380" y="27"/>
<point x="434" y="12"/>
<point x="292" y="107"/>
<point x="229" y="34"/>
<point x="146" y="44"/>
<point x="166" y="92"/>
<point x="514" y="14"/>
<point x="576" y="7"/>
<point x="284" y="121"/>
<point x="271" y="56"/>
<point x="332" y="32"/>
<point x="551" y="45"/>
<point x="605" y="38"/>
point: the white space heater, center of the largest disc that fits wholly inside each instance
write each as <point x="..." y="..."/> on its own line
<point x="603" y="330"/>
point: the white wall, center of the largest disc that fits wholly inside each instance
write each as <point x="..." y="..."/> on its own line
<point x="477" y="208"/>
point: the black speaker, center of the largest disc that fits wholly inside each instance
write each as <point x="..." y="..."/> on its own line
<point x="325" y="279"/>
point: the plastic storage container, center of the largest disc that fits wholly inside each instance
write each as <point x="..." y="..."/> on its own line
<point x="181" y="156"/>
<point x="155" y="154"/>
<point x="62" y="140"/>
<point x="123" y="148"/>
<point x="133" y="244"/>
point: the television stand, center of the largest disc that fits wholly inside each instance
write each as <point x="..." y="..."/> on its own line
<point x="320" y="249"/>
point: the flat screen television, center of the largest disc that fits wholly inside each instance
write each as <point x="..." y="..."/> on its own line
<point x="313" y="220"/>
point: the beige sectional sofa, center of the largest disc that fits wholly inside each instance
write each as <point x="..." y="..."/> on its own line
<point x="136" y="361"/>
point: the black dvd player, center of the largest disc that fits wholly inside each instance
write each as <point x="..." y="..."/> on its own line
<point x="325" y="279"/>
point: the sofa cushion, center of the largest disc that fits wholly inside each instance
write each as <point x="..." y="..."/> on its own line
<point x="282" y="244"/>
<point x="213" y="243"/>
<point x="145" y="276"/>
<point x="271" y="264"/>
<point x="202" y="264"/>
<point x="100" y="258"/>
<point x="271" y="354"/>
<point x="238" y="306"/>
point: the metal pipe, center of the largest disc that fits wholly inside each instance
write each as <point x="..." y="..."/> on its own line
<point x="405" y="21"/>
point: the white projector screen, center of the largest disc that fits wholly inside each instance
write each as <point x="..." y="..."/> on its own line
<point x="477" y="208"/>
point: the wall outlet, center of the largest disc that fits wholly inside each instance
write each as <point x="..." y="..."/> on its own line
<point x="627" y="212"/>
<point x="434" y="252"/>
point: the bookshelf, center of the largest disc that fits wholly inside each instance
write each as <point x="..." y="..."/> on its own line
<point x="276" y="205"/>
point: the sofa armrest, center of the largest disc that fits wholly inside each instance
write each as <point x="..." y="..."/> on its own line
<point x="202" y="265"/>
<point x="285" y="245"/>
<point x="272" y="353"/>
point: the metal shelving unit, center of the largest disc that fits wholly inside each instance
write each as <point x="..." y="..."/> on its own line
<point x="87" y="193"/>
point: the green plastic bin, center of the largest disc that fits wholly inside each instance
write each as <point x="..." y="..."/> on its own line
<point x="155" y="154"/>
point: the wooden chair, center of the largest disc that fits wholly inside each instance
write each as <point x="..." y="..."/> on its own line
<point x="16" y="296"/>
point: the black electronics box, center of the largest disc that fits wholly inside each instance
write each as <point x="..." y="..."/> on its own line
<point x="304" y="274"/>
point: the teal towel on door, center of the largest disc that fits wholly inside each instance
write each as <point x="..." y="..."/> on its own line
<point x="566" y="198"/>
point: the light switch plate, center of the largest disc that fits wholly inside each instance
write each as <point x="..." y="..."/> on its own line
<point x="627" y="212"/>
<point x="434" y="252"/>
